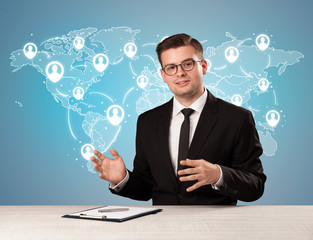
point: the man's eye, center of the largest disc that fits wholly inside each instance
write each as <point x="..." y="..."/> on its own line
<point x="170" y="67"/>
<point x="188" y="64"/>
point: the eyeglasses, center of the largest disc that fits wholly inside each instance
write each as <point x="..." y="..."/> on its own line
<point x="186" y="65"/>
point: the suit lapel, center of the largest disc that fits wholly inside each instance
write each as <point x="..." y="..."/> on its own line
<point x="205" y="125"/>
<point x="163" y="130"/>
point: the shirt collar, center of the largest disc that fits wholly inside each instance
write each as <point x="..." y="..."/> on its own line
<point x="197" y="105"/>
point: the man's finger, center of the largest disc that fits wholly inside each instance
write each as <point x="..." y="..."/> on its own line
<point x="102" y="176"/>
<point x="100" y="155"/>
<point x="98" y="168"/>
<point x="194" y="187"/>
<point x="95" y="160"/>
<point x="192" y="177"/>
<point x="114" y="153"/>
<point x="188" y="162"/>
<point x="187" y="171"/>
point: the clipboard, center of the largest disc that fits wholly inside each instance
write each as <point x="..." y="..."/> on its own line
<point x="113" y="213"/>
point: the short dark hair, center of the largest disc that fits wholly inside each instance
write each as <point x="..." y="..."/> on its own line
<point x="178" y="40"/>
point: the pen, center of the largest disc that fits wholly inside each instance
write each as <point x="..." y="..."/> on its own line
<point x="114" y="210"/>
<point x="83" y="215"/>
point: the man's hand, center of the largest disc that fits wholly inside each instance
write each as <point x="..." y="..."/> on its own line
<point x="202" y="171"/>
<point x="111" y="170"/>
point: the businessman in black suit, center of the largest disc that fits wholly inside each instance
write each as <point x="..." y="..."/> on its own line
<point x="194" y="149"/>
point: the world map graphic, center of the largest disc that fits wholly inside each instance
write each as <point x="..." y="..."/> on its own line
<point x="106" y="77"/>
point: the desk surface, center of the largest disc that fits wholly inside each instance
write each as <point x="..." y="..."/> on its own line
<point x="174" y="222"/>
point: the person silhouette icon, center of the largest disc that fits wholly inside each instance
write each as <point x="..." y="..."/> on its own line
<point x="236" y="100"/>
<point x="113" y="114"/>
<point x="115" y="117"/>
<point x="57" y="71"/>
<point x="263" y="84"/>
<point x="78" y="93"/>
<point x="99" y="65"/>
<point x="231" y="54"/>
<point x="30" y="50"/>
<point x="272" y="118"/>
<point x="31" y="54"/>
<point x="262" y="41"/>
<point x="272" y="121"/>
<point x="87" y="151"/>
<point x="54" y="74"/>
<point x="100" y="62"/>
<point x="142" y="81"/>
<point x="130" y="49"/>
<point x="79" y="43"/>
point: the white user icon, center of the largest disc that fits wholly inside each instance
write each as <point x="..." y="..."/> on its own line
<point x="115" y="114"/>
<point x="231" y="54"/>
<point x="79" y="43"/>
<point x="87" y="151"/>
<point x="263" y="84"/>
<point x="78" y="93"/>
<point x="54" y="71"/>
<point x="236" y="99"/>
<point x="130" y="49"/>
<point x="262" y="42"/>
<point x="272" y="118"/>
<point x="142" y="81"/>
<point x="30" y="50"/>
<point x="100" y="62"/>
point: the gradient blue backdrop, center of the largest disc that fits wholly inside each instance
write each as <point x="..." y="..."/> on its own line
<point x="35" y="139"/>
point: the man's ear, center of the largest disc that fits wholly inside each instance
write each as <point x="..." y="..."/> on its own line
<point x="204" y="65"/>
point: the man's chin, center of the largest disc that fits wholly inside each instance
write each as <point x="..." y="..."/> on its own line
<point x="184" y="93"/>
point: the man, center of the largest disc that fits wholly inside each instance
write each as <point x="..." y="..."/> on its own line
<point x="194" y="149"/>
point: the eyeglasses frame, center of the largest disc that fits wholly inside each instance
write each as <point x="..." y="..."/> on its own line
<point x="176" y="65"/>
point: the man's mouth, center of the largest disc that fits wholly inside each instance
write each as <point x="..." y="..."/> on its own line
<point x="182" y="83"/>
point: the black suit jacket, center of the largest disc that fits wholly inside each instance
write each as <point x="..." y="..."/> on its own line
<point x="225" y="135"/>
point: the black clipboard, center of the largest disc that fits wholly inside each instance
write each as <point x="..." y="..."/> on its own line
<point x="114" y="216"/>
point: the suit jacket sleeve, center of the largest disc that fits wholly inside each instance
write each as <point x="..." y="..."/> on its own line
<point x="140" y="183"/>
<point x="244" y="179"/>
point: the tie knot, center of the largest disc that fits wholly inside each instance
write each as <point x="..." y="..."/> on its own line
<point x="187" y="112"/>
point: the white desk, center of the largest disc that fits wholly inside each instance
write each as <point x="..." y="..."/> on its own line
<point x="174" y="222"/>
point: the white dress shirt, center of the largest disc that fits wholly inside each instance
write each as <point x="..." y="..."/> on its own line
<point x="174" y="134"/>
<point x="176" y="122"/>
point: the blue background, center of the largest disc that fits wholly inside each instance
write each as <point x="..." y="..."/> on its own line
<point x="35" y="139"/>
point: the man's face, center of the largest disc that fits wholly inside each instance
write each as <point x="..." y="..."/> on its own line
<point x="184" y="84"/>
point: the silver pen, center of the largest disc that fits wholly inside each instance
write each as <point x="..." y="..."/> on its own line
<point x="113" y="210"/>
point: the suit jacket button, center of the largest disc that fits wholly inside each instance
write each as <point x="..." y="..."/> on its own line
<point x="180" y="196"/>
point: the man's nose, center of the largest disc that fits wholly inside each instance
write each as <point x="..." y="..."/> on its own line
<point x="180" y="71"/>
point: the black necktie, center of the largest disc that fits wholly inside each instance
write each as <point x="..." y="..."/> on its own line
<point x="184" y="137"/>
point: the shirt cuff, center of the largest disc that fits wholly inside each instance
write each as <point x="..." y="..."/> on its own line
<point x="118" y="187"/>
<point x="220" y="181"/>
